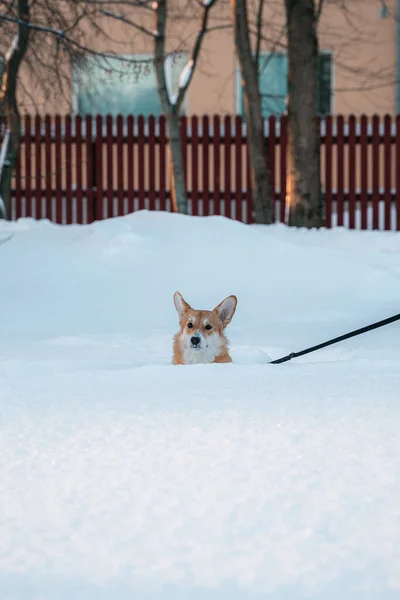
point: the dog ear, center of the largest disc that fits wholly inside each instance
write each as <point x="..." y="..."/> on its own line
<point x="226" y="310"/>
<point x="180" y="304"/>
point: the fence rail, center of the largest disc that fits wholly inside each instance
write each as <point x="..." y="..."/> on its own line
<point x="75" y="170"/>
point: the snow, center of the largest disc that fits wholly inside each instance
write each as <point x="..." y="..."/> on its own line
<point x="122" y="476"/>
<point x="186" y="74"/>
<point x="12" y="49"/>
<point x="174" y="98"/>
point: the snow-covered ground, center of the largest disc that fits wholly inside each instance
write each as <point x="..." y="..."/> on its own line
<point x="122" y="476"/>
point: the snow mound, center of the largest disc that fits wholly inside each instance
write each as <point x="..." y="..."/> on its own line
<point x="122" y="476"/>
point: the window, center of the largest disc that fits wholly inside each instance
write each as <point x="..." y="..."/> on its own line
<point x="273" y="69"/>
<point x="116" y="86"/>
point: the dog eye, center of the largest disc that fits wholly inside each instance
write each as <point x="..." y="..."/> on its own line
<point x="208" y="327"/>
<point x="190" y="325"/>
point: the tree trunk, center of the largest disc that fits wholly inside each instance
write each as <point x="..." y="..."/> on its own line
<point x="10" y="117"/>
<point x="260" y="175"/>
<point x="178" y="191"/>
<point x="12" y="140"/>
<point x="171" y="108"/>
<point x="304" y="176"/>
<point x="171" y="111"/>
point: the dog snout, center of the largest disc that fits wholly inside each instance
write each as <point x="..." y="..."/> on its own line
<point x="195" y="340"/>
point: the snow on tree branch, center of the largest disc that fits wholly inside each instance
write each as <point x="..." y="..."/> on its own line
<point x="186" y="74"/>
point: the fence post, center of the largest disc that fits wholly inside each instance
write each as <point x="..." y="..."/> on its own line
<point x="78" y="158"/>
<point x="38" y="141"/>
<point x="206" y="166"/>
<point x="271" y="158"/>
<point x="387" y="146"/>
<point x="328" y="171"/>
<point x="163" y="164"/>
<point x="340" y="171"/>
<point x="28" y="172"/>
<point x="216" y="165"/>
<point x="352" y="172"/>
<point x="375" y="172"/>
<point x="141" y="162"/>
<point x="238" y="168"/>
<point x="364" y="171"/>
<point x="283" y="167"/>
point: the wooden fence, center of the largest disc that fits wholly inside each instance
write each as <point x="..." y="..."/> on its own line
<point x="74" y="170"/>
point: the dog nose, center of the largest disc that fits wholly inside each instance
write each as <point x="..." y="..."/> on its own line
<point x="195" y="341"/>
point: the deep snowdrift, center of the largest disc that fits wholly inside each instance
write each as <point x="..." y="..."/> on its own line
<point x="122" y="476"/>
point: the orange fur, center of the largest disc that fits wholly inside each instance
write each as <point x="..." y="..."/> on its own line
<point x="201" y="321"/>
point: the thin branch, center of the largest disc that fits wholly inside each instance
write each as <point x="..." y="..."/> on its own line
<point x="259" y="32"/>
<point x="59" y="34"/>
<point x="319" y="10"/>
<point x="132" y="3"/>
<point x="120" y="17"/>
<point x="195" y="53"/>
<point x="159" y="51"/>
<point x="219" y="27"/>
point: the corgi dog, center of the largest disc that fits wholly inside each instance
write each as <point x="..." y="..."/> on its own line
<point x="201" y="338"/>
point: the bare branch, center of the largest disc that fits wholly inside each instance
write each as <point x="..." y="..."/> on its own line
<point x="124" y="19"/>
<point x="159" y="51"/>
<point x="319" y="10"/>
<point x="259" y="24"/>
<point x="132" y="3"/>
<point x="207" y="5"/>
<point x="61" y="36"/>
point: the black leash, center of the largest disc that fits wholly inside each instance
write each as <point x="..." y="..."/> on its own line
<point x="346" y="336"/>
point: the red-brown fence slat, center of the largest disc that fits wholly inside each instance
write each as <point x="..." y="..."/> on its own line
<point x="39" y="181"/>
<point x="130" y="164"/>
<point x="110" y="166"/>
<point x="271" y="157"/>
<point x="28" y="173"/>
<point x="216" y="165"/>
<point x="205" y="165"/>
<point x="184" y="146"/>
<point x="141" y="181"/>
<point x="152" y="162"/>
<point x="352" y="172"/>
<point x="340" y="171"/>
<point x="58" y="170"/>
<point x="18" y="186"/>
<point x="328" y="171"/>
<point x="283" y="167"/>
<point x="98" y="203"/>
<point x="387" y="151"/>
<point x="398" y="172"/>
<point x="78" y="169"/>
<point x="195" y="165"/>
<point x="248" y="217"/>
<point x="38" y="212"/>
<point x="375" y="172"/>
<point x="364" y="170"/>
<point x="238" y="168"/>
<point x="92" y="169"/>
<point x="227" y="166"/>
<point x="163" y="164"/>
<point x="120" y="166"/>
<point x="48" y="167"/>
<point x="68" y="171"/>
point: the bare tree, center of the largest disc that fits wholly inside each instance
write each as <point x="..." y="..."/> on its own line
<point x="62" y="36"/>
<point x="260" y="176"/>
<point x="304" y="178"/>
<point x="172" y="106"/>
<point x="9" y="113"/>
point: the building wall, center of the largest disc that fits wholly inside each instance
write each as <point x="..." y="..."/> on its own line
<point x="363" y="45"/>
